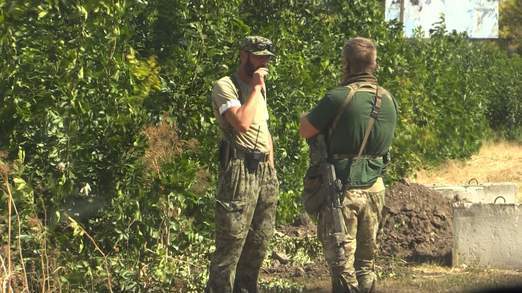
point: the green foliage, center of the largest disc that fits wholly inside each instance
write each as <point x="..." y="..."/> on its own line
<point x="115" y="194"/>
<point x="74" y="98"/>
<point x="300" y="250"/>
<point x="510" y="24"/>
<point x="280" y="285"/>
<point x="502" y="87"/>
<point x="442" y="106"/>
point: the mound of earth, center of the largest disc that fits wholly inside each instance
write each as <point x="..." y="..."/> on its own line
<point x="417" y="224"/>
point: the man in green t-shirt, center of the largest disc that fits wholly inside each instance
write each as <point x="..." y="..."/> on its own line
<point x="247" y="190"/>
<point x="343" y="116"/>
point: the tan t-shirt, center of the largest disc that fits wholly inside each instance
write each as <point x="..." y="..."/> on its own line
<point x="224" y="97"/>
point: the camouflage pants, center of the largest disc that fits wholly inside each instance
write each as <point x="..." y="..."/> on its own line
<point x="351" y="258"/>
<point x="245" y="219"/>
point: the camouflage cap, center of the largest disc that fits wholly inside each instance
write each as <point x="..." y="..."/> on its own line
<point x="258" y="46"/>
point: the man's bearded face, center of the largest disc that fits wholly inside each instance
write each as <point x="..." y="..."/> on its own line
<point x="249" y="67"/>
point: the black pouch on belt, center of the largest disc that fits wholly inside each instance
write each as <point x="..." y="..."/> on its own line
<point x="224" y="154"/>
<point x="252" y="160"/>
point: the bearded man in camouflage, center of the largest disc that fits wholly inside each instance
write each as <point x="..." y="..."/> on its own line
<point x="359" y="162"/>
<point x="247" y="190"/>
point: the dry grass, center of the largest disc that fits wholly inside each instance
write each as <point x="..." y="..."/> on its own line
<point x="164" y="143"/>
<point x="434" y="279"/>
<point x="495" y="162"/>
<point x="4" y="167"/>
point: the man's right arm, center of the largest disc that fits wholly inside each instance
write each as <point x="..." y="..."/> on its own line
<point x="319" y="118"/>
<point x="306" y="129"/>
<point x="241" y="117"/>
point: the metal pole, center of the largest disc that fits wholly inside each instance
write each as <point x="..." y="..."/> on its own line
<point x="402" y="11"/>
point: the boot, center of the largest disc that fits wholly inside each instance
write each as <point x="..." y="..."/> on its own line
<point x="369" y="288"/>
<point x="339" y="285"/>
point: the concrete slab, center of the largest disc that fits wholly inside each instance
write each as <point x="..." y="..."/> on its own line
<point x="505" y="192"/>
<point x="488" y="235"/>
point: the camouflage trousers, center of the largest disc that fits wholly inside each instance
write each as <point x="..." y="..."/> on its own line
<point x="350" y="255"/>
<point x="245" y="219"/>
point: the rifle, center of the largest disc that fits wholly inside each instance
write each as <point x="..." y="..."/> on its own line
<point x="331" y="184"/>
<point x="332" y="187"/>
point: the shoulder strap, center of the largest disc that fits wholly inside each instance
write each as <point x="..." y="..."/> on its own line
<point x="376" y="108"/>
<point x="236" y="85"/>
<point x="352" y="89"/>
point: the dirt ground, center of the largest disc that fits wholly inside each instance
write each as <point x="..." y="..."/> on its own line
<point x="417" y="224"/>
<point x="416" y="229"/>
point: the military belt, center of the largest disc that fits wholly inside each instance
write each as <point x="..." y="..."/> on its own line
<point x="243" y="154"/>
<point x="352" y="156"/>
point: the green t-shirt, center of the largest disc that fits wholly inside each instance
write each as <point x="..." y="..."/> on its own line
<point x="347" y="137"/>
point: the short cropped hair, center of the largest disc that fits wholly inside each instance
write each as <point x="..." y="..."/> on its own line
<point x="358" y="57"/>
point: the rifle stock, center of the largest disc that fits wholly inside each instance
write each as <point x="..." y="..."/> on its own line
<point x="335" y="194"/>
<point x="334" y="187"/>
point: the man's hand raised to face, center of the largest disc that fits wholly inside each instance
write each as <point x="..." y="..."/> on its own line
<point x="258" y="78"/>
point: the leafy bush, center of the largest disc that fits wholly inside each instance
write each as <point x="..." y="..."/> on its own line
<point x="502" y="87"/>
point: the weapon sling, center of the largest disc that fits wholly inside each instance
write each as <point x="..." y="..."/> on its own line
<point x="312" y="183"/>
<point x="356" y="164"/>
<point x="376" y="108"/>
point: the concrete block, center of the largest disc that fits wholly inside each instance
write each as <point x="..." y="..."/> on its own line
<point x="505" y="192"/>
<point x="488" y="235"/>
